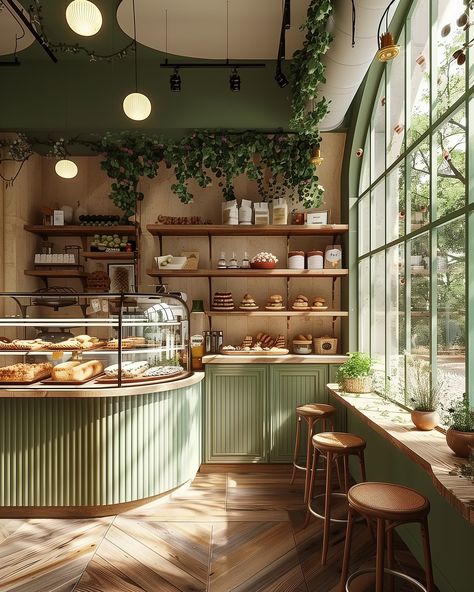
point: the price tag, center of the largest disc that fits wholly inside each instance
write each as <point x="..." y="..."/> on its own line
<point x="95" y="303"/>
<point x="105" y="306"/>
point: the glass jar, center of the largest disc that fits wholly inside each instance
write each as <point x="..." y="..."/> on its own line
<point x="295" y="259"/>
<point x="315" y="260"/>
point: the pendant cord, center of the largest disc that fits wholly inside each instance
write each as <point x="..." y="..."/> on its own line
<point x="353" y="22"/>
<point x="227" y="16"/>
<point x="135" y="46"/>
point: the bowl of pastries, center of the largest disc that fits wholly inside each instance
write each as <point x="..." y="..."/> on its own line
<point x="263" y="260"/>
<point x="303" y="344"/>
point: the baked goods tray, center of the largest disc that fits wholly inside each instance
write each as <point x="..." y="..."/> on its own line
<point x="110" y="380"/>
<point x="240" y="352"/>
<point x="24" y="382"/>
<point x="70" y="382"/>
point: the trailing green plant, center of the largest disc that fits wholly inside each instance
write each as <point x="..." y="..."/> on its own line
<point x="424" y="394"/>
<point x="358" y="365"/>
<point x="460" y="415"/>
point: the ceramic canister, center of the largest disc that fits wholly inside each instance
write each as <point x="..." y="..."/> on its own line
<point x="295" y="259"/>
<point x="315" y="260"/>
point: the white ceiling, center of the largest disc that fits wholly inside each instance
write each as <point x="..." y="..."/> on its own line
<point x="12" y="33"/>
<point x="198" y="28"/>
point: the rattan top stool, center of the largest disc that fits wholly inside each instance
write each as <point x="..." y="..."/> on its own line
<point x="310" y="413"/>
<point x="334" y="445"/>
<point x="390" y="505"/>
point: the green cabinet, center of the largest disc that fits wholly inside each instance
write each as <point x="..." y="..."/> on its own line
<point x="250" y="409"/>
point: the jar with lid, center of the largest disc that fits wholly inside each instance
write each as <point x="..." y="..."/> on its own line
<point x="245" y="212"/>
<point x="315" y="260"/>
<point x="295" y="259"/>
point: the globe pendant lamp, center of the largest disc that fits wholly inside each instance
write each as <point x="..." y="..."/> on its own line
<point x="84" y="17"/>
<point x="136" y="106"/>
<point x="65" y="168"/>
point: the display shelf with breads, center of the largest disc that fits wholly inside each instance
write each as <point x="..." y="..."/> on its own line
<point x="101" y="340"/>
<point x="246" y="230"/>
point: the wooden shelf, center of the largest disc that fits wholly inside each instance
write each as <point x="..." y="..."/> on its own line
<point x="277" y="313"/>
<point x="104" y="255"/>
<point x="77" y="230"/>
<point x="242" y="230"/>
<point x="56" y="273"/>
<point x="247" y="273"/>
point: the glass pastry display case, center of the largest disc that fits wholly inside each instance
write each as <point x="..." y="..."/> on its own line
<point x="93" y="340"/>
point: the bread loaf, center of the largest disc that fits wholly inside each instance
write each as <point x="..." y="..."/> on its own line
<point x="64" y="371"/>
<point x="77" y="371"/>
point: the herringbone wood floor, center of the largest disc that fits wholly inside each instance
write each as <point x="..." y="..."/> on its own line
<point x="239" y="532"/>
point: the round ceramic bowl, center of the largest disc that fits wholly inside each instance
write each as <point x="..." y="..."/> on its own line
<point x="263" y="265"/>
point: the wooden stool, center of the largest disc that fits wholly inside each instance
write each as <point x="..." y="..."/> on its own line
<point x="390" y="505"/>
<point x="334" y="445"/>
<point x="310" y="413"/>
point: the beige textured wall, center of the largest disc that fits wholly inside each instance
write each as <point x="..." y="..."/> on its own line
<point x="41" y="186"/>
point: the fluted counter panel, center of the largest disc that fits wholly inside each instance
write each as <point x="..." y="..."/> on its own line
<point x="98" y="451"/>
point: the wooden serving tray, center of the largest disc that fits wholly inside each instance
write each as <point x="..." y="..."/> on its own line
<point x="239" y="352"/>
<point x="25" y="382"/>
<point x="70" y="382"/>
<point x="109" y="380"/>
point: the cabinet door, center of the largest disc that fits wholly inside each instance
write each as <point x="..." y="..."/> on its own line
<point x="236" y="412"/>
<point x="292" y="385"/>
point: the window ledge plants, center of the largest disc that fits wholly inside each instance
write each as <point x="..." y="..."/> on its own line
<point x="355" y="375"/>
<point x="424" y="394"/>
<point x="460" y="434"/>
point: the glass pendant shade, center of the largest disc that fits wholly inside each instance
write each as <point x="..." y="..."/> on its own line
<point x="66" y="168"/>
<point x="137" y="106"/>
<point x="84" y="17"/>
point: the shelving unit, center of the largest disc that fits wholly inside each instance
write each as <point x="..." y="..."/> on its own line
<point x="243" y="230"/>
<point x="247" y="273"/>
<point x="277" y="313"/>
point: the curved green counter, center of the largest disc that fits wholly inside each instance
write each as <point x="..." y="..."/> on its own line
<point x="96" y="451"/>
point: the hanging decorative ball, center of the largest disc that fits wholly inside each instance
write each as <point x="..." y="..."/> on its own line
<point x="84" y="17"/>
<point x="462" y="20"/>
<point x="137" y="106"/>
<point x="446" y="30"/>
<point x="65" y="168"/>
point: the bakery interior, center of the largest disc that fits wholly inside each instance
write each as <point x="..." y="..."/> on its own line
<point x="235" y="307"/>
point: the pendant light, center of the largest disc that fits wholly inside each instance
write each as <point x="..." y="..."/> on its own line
<point x="136" y="105"/>
<point x="388" y="49"/>
<point x="65" y="168"/>
<point x="316" y="158"/>
<point x="84" y="17"/>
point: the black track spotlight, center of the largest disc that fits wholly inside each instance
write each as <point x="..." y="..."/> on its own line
<point x="175" y="81"/>
<point x="281" y="79"/>
<point x="234" y="80"/>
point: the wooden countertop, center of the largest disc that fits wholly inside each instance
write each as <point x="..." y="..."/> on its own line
<point x="93" y="390"/>
<point x="264" y="359"/>
<point x="427" y="449"/>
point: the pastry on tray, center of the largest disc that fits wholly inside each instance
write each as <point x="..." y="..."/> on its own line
<point x="319" y="303"/>
<point x="248" y="303"/>
<point x="129" y="369"/>
<point x="25" y="372"/>
<point x="127" y="343"/>
<point x="75" y="371"/>
<point x="22" y="344"/>
<point x="275" y="302"/>
<point x="301" y="303"/>
<point x="163" y="371"/>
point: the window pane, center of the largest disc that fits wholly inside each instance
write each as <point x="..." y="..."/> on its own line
<point x="450" y="80"/>
<point x="420" y="295"/>
<point x="396" y="203"/>
<point x="364" y="305"/>
<point x="377" y="216"/>
<point x="396" y="322"/>
<point x="364" y="224"/>
<point x="378" y="134"/>
<point x="451" y="311"/>
<point x="418" y="162"/>
<point x="365" y="168"/>
<point x="450" y="149"/>
<point x="396" y="104"/>
<point x="418" y="77"/>
<point x="377" y="324"/>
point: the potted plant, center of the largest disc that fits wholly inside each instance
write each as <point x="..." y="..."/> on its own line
<point x="355" y="375"/>
<point x="460" y="434"/>
<point x="424" y="394"/>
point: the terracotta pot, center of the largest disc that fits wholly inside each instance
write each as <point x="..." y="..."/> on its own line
<point x="460" y="442"/>
<point x="425" y="420"/>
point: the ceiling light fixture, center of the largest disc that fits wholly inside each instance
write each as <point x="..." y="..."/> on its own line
<point x="136" y="106"/>
<point x="388" y="49"/>
<point x="234" y="80"/>
<point x="316" y="158"/>
<point x="280" y="78"/>
<point x="65" y="168"/>
<point x="175" y="81"/>
<point x="84" y="17"/>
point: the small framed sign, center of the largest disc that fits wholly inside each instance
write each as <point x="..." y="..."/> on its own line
<point x="321" y="217"/>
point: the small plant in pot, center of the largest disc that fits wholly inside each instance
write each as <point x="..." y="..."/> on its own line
<point x="460" y="434"/>
<point x="424" y="395"/>
<point x="355" y="375"/>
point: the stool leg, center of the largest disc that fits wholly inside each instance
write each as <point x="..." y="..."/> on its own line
<point x="327" y="508"/>
<point x="338" y="470"/>
<point x="390" y="559"/>
<point x="362" y="466"/>
<point x="427" y="553"/>
<point x="309" y="457"/>
<point x="379" y="560"/>
<point x="311" y="486"/>
<point x="297" y="448"/>
<point x="346" y="471"/>
<point x="347" y="551"/>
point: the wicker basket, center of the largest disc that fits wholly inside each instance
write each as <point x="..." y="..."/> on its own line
<point x="362" y="384"/>
<point x="325" y="345"/>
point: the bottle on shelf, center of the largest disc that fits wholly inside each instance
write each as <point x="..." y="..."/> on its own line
<point x="233" y="262"/>
<point x="222" y="263"/>
<point x="197" y="318"/>
<point x="245" y="261"/>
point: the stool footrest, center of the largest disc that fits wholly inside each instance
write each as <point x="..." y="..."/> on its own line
<point x="321" y="516"/>
<point x="386" y="570"/>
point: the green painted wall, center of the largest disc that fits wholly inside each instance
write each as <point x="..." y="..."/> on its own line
<point x="451" y="536"/>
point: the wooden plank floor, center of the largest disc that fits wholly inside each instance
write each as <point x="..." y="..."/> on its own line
<point x="239" y="532"/>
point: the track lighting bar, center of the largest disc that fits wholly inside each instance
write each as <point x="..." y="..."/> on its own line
<point x="201" y="65"/>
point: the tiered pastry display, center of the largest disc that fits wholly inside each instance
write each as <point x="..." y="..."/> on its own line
<point x="136" y="371"/>
<point x="275" y="302"/>
<point x="248" y="303"/>
<point x="76" y="371"/>
<point x="25" y="373"/>
<point x="319" y="303"/>
<point x="301" y="303"/>
<point x="262" y="344"/>
<point x="223" y="301"/>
